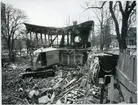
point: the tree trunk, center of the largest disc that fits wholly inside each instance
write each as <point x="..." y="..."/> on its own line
<point x="101" y="38"/>
<point x="124" y="31"/>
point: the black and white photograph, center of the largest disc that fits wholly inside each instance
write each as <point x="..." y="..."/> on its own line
<point x="68" y="52"/>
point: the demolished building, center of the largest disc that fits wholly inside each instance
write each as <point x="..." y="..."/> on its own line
<point x="70" y="49"/>
<point x="76" y="74"/>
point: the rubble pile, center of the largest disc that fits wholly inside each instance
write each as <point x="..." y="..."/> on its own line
<point x="68" y="86"/>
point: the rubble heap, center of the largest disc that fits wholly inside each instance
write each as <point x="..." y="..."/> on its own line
<point x="70" y="85"/>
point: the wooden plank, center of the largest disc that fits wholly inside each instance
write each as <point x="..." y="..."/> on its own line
<point x="73" y="80"/>
<point x="127" y="67"/>
<point x="135" y="71"/>
<point x="130" y="71"/>
<point x="128" y="88"/>
<point x="125" y="81"/>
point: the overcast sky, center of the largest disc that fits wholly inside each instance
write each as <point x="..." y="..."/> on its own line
<point x="54" y="13"/>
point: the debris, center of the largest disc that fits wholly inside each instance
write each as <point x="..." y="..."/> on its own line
<point x="83" y="82"/>
<point x="66" y="85"/>
<point x="73" y="80"/>
<point x="57" y="84"/>
<point x="33" y="92"/>
<point x="44" y="100"/>
<point x="20" y="89"/>
<point x="52" y="97"/>
<point x="36" y="74"/>
<point x="13" y="66"/>
<point x="26" y="102"/>
<point x="59" y="102"/>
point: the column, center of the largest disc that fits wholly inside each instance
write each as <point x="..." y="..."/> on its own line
<point x="45" y="40"/>
<point x="41" y="39"/>
<point x="68" y="39"/>
<point x="57" y="39"/>
<point x="36" y="39"/>
<point x="71" y="38"/>
<point x="30" y="36"/>
<point x="48" y="39"/>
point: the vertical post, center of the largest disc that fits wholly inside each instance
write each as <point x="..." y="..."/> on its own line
<point x="68" y="39"/>
<point x="36" y="39"/>
<point x="30" y="36"/>
<point x="102" y="94"/>
<point x="68" y="59"/>
<point x="112" y="90"/>
<point x="101" y="82"/>
<point x="51" y="40"/>
<point x="57" y="39"/>
<point x="41" y="39"/>
<point x="27" y="35"/>
<point x="71" y="38"/>
<point x="48" y="39"/>
<point x="63" y="40"/>
<point x="27" y="39"/>
<point x="45" y="40"/>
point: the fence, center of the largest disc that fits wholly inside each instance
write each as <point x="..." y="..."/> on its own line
<point x="126" y="75"/>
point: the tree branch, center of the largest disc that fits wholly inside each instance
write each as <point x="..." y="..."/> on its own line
<point x="132" y="7"/>
<point x="97" y="16"/>
<point x="127" y="6"/>
<point x="120" y="7"/>
<point x="114" y="18"/>
<point x="95" y="7"/>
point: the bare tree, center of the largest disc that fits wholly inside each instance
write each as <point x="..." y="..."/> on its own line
<point x="13" y="25"/>
<point x="126" y="14"/>
<point x="104" y="18"/>
<point x="127" y="10"/>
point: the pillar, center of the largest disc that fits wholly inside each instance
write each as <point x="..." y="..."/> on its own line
<point x="71" y="37"/>
<point x="48" y="39"/>
<point x="36" y="39"/>
<point x="57" y="39"/>
<point x="45" y="40"/>
<point x="41" y="39"/>
<point x="30" y="36"/>
<point x="68" y="39"/>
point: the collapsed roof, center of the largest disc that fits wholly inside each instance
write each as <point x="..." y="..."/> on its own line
<point x="85" y="26"/>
